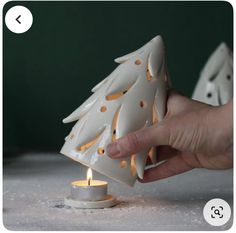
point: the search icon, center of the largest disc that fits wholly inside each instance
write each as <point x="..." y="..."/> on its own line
<point x="217" y="212"/>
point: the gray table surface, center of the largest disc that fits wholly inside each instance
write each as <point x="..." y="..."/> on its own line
<point x="35" y="185"/>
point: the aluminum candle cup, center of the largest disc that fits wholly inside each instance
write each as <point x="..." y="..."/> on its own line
<point x="84" y="190"/>
<point x="89" y="194"/>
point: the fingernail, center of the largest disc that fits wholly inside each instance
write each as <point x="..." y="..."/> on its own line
<point x="113" y="149"/>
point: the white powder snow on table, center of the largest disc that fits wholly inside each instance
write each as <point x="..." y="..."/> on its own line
<point x="35" y="185"/>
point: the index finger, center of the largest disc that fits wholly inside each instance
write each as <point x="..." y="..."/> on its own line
<point x="139" y="140"/>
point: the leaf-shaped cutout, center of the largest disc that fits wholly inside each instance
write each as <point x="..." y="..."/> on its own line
<point x="90" y="143"/>
<point x="152" y="154"/>
<point x="154" y="115"/>
<point x="114" y="96"/>
<point x="133" y="167"/>
<point x="118" y="94"/>
<point x="212" y="77"/>
<point x="148" y="75"/>
<point x="219" y="96"/>
<point x="114" y="124"/>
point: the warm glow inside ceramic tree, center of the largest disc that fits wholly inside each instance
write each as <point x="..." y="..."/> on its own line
<point x="132" y="97"/>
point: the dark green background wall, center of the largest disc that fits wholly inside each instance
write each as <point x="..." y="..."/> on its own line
<point x="49" y="70"/>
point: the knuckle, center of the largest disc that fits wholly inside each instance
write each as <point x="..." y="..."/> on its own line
<point x="176" y="103"/>
<point x="165" y="129"/>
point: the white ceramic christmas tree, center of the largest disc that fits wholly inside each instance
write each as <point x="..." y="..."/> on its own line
<point x="215" y="85"/>
<point x="132" y="97"/>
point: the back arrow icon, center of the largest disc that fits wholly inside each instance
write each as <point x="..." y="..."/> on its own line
<point x="17" y="19"/>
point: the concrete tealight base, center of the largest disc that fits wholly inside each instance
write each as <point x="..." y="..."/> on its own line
<point x="109" y="201"/>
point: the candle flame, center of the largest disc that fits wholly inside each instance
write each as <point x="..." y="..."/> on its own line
<point x="89" y="174"/>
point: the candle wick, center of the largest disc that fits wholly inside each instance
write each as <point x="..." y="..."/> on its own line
<point x="89" y="182"/>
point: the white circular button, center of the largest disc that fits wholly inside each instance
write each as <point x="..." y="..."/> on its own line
<point x="18" y="19"/>
<point x="217" y="212"/>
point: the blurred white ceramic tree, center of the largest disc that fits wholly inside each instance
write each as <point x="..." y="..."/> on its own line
<point x="215" y="84"/>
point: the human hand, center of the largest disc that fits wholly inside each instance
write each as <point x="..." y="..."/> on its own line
<point x="192" y="135"/>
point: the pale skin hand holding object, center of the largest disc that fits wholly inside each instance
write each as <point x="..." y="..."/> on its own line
<point x="192" y="135"/>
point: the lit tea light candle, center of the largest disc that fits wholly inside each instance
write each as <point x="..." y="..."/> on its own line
<point x="89" y="193"/>
<point x="89" y="190"/>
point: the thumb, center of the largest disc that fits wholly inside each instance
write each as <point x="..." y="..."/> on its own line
<point x="142" y="139"/>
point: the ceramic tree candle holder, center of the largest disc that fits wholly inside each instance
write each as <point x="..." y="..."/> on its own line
<point x="132" y="97"/>
<point x="215" y="85"/>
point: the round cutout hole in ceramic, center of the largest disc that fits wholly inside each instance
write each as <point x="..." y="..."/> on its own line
<point x="138" y="62"/>
<point x="142" y="104"/>
<point x="103" y="109"/>
<point x="123" y="164"/>
<point x="101" y="151"/>
<point x="228" y="77"/>
<point x="209" y="95"/>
